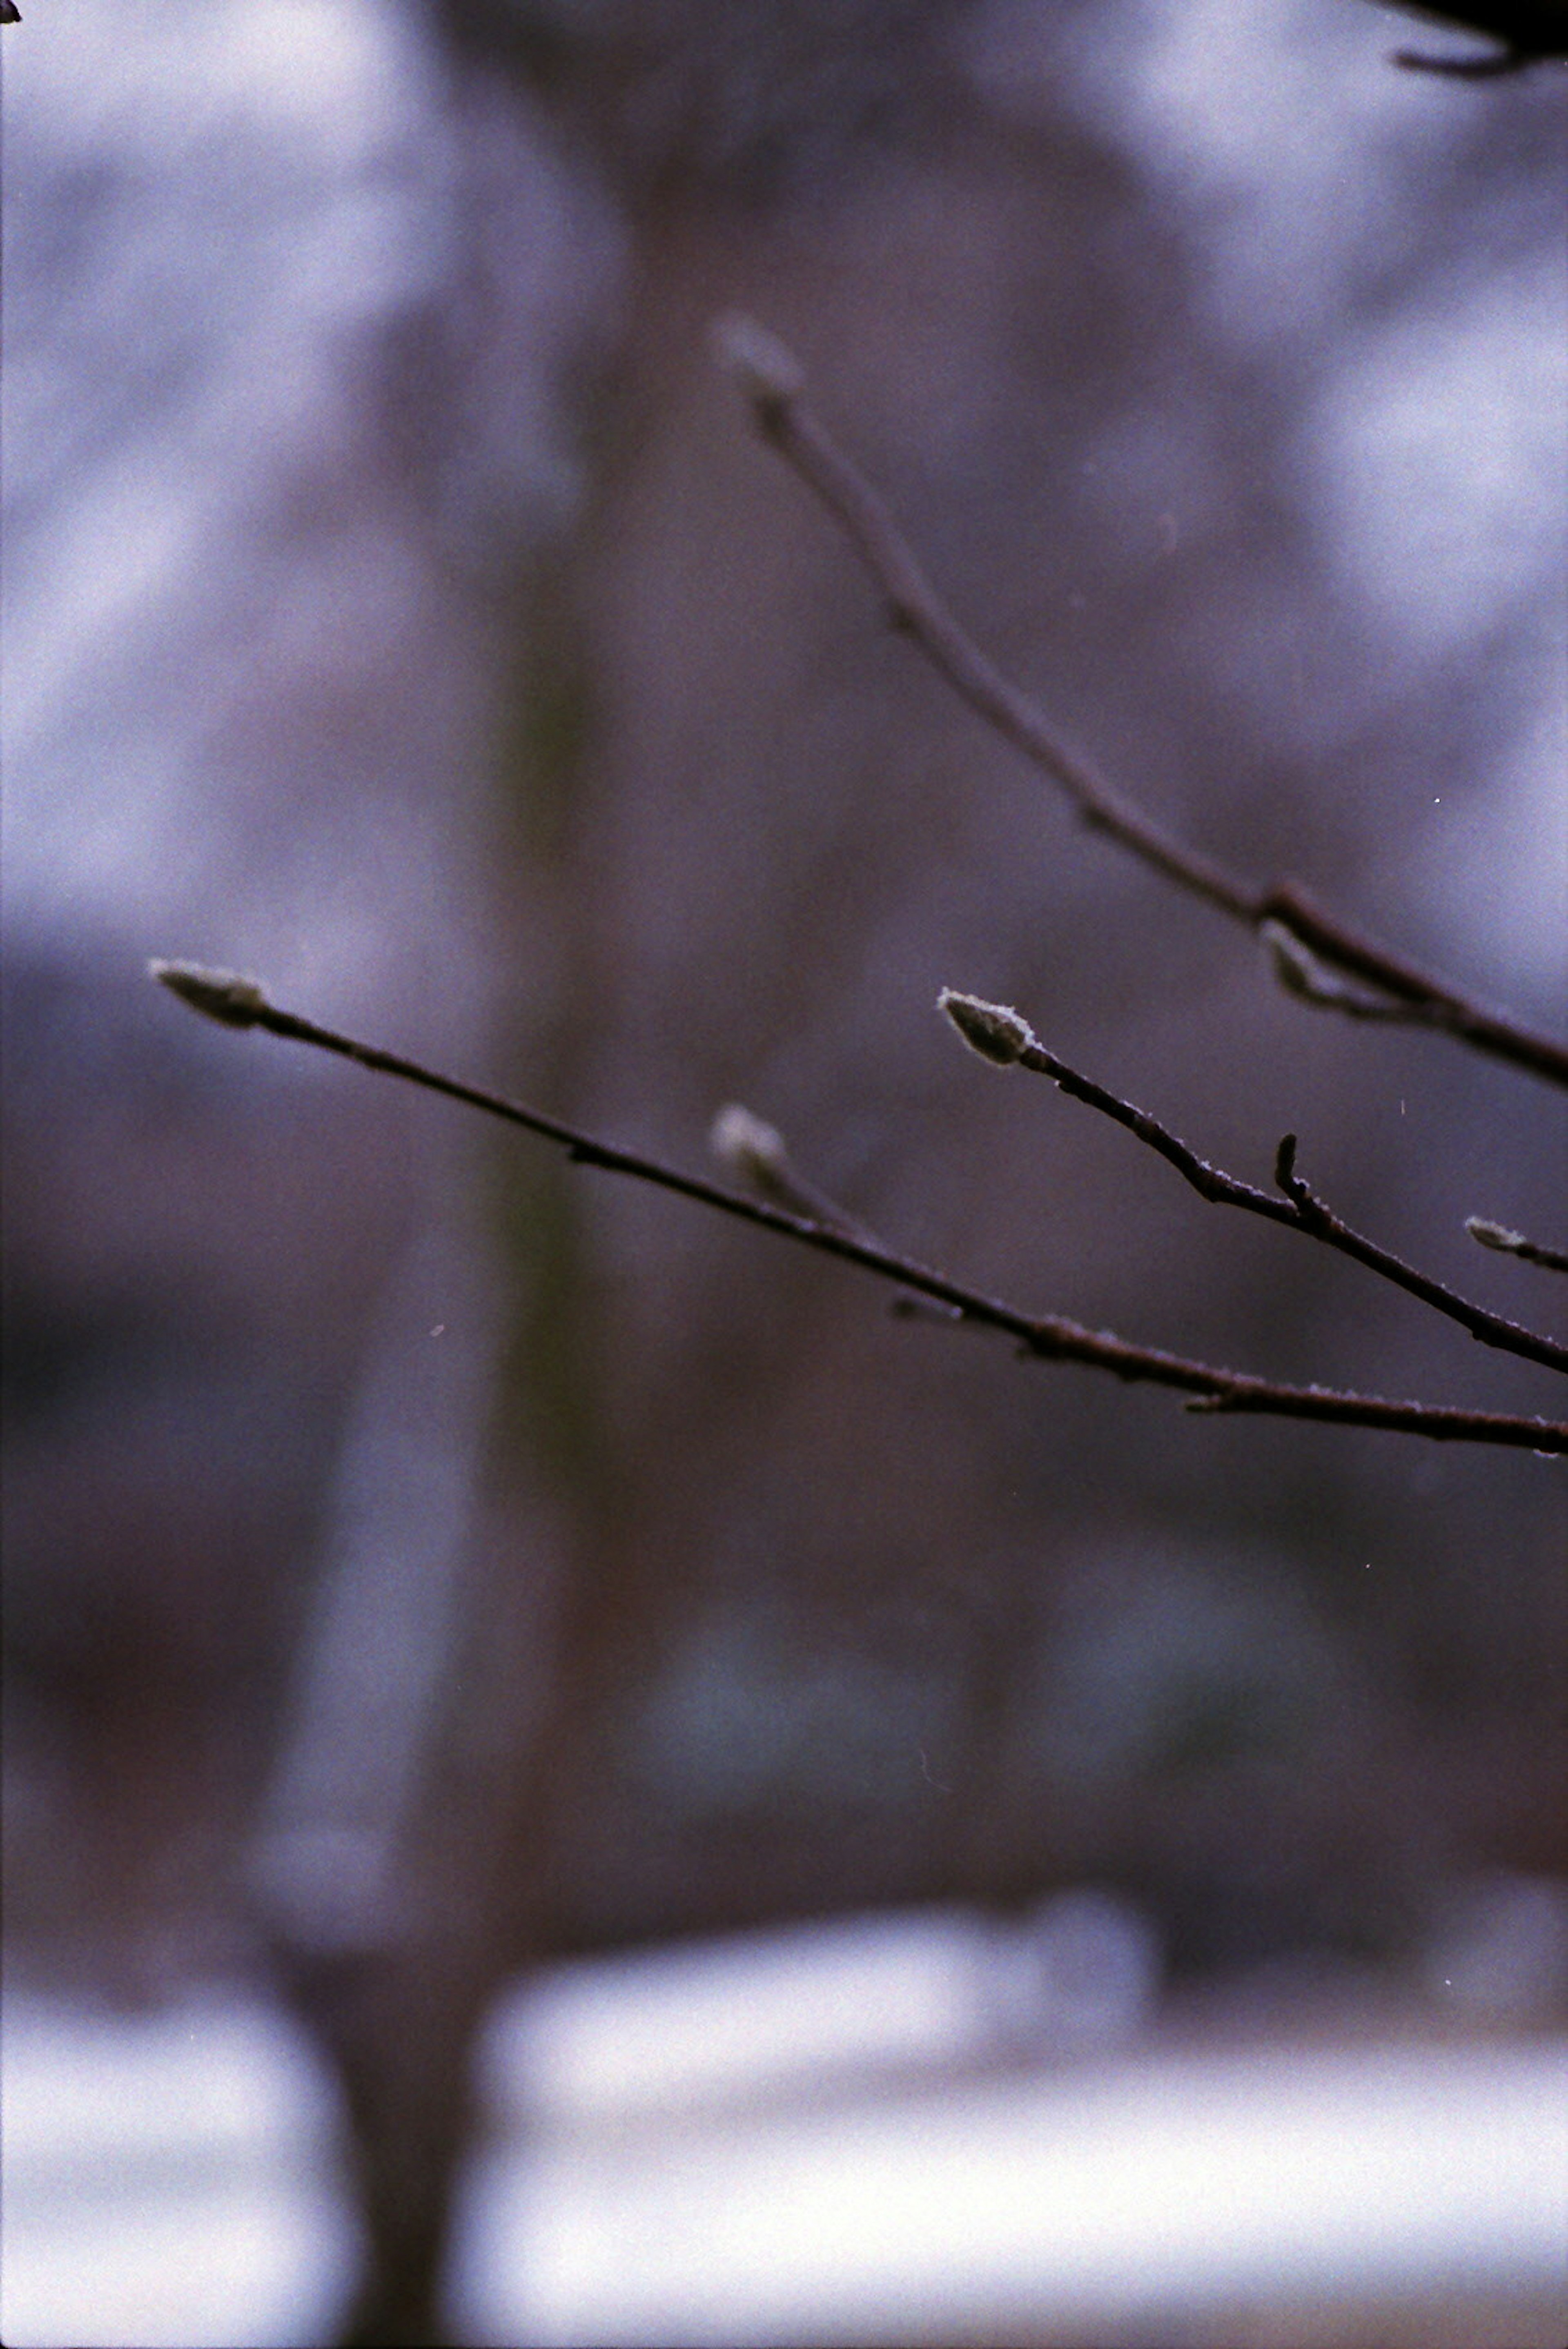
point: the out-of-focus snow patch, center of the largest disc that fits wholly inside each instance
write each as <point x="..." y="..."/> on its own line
<point x="824" y="2134"/>
<point x="167" y="2180"/>
<point x="1147" y="2203"/>
<point x="804" y="2009"/>
<point x="682" y="2026"/>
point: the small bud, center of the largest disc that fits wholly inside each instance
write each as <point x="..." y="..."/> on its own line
<point x="748" y="1149"/>
<point x="994" y="1030"/>
<point x="1495" y="1236"/>
<point x="220" y="994"/>
<point x="766" y="370"/>
<point x="1301" y="972"/>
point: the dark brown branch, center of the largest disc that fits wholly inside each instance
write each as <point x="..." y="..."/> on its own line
<point x="239" y="1003"/>
<point x="773" y="386"/>
<point x="1512" y="1243"/>
<point x="1004" y="1036"/>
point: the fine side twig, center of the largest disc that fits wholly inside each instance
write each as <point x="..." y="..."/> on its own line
<point x="1313" y="951"/>
<point x="239" y="1003"/>
<point x="1003" y="1037"/>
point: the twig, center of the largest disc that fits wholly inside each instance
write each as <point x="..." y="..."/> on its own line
<point x="1004" y="1036"/>
<point x="1512" y="1243"/>
<point x="773" y="385"/>
<point x="239" y="1003"/>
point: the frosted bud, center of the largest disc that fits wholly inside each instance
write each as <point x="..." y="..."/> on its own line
<point x="220" y="994"/>
<point x="994" y="1030"/>
<point x="1495" y="1236"/>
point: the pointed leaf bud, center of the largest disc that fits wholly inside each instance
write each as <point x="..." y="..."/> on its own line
<point x="219" y="994"/>
<point x="1495" y="1236"/>
<point x="994" y="1030"/>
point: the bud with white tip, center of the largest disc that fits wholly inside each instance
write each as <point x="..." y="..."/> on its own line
<point x="218" y="994"/>
<point x="748" y="1148"/>
<point x="1495" y="1236"/>
<point x="994" y="1030"/>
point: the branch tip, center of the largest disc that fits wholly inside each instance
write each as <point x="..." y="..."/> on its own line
<point x="1495" y="1236"/>
<point x="767" y="369"/>
<point x="994" y="1030"/>
<point x="221" y="995"/>
<point x="1512" y="1243"/>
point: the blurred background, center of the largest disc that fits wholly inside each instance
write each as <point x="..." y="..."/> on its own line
<point x="567" y="1776"/>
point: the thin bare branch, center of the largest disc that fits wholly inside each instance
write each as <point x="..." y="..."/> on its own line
<point x="1002" y="1036"/>
<point x="1512" y="1243"/>
<point x="772" y="381"/>
<point x="239" y="1003"/>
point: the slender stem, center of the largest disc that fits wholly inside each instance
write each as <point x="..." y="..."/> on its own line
<point x="1002" y="1036"/>
<point x="772" y="384"/>
<point x="239" y="1003"/>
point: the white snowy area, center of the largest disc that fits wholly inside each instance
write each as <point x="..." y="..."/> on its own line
<point x="896" y="2129"/>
